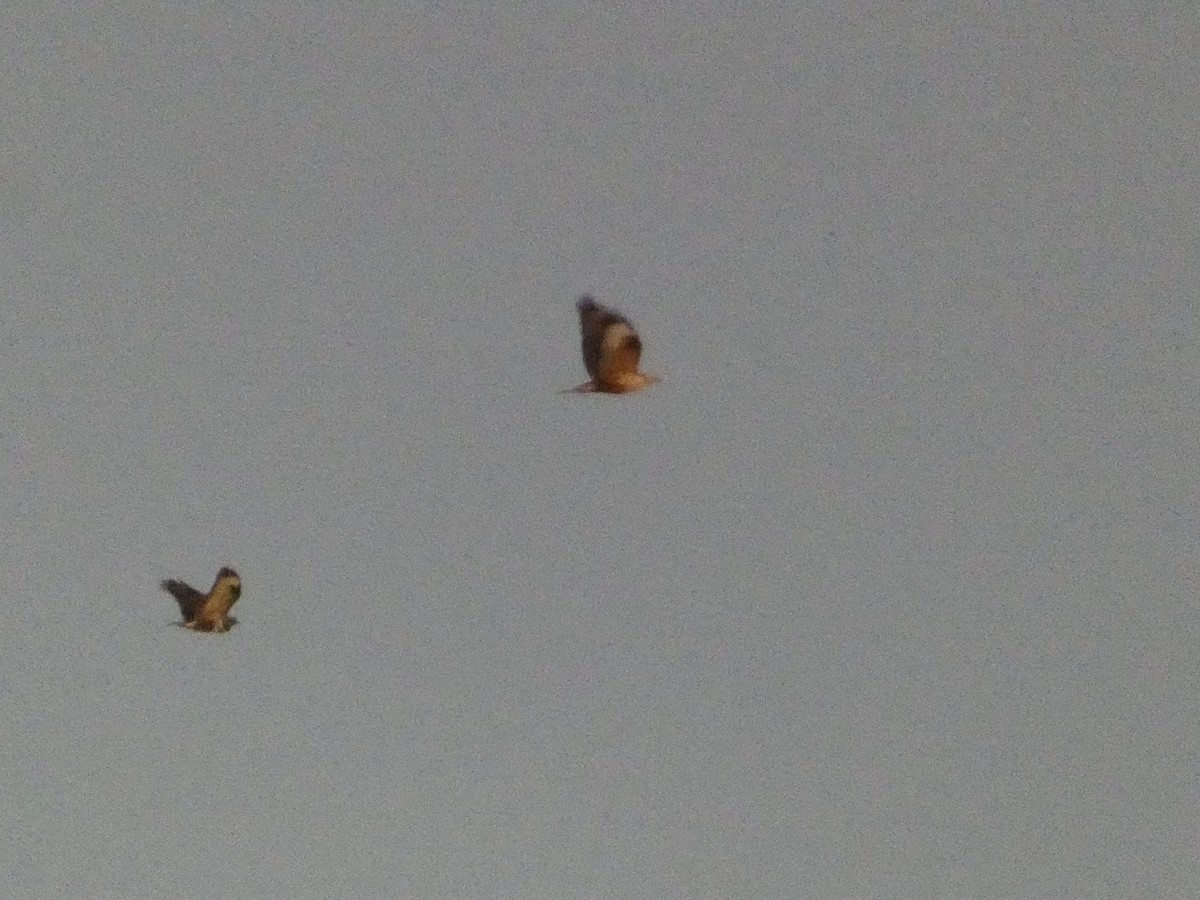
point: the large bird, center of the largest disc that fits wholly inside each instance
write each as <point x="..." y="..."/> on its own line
<point x="611" y="351"/>
<point x="207" y="612"/>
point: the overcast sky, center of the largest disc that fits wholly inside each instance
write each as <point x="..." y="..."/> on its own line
<point x="890" y="588"/>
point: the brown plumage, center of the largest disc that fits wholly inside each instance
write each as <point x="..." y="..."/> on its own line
<point x="207" y="612"/>
<point x="611" y="350"/>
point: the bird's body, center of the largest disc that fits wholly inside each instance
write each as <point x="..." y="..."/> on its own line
<point x="611" y="351"/>
<point x="207" y="612"/>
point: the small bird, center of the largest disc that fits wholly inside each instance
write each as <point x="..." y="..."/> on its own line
<point x="611" y="351"/>
<point x="207" y="612"/>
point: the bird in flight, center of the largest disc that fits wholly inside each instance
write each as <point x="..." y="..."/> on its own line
<point x="611" y="351"/>
<point x="207" y="612"/>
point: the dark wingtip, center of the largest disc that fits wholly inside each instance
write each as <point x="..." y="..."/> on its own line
<point x="586" y="303"/>
<point x="227" y="572"/>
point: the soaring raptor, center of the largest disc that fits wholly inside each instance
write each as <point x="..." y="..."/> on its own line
<point x="207" y="612"/>
<point x="611" y="351"/>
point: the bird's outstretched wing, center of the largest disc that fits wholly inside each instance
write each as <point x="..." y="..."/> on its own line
<point x="213" y="614"/>
<point x="189" y="599"/>
<point x="611" y="347"/>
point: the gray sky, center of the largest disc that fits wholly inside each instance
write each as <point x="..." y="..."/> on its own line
<point x="889" y="589"/>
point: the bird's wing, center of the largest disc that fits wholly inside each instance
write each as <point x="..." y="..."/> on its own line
<point x="610" y="343"/>
<point x="188" y="598"/>
<point x="620" y="353"/>
<point x="215" y="607"/>
<point x="592" y="320"/>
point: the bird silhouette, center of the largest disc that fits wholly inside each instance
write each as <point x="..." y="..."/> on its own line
<point x="611" y="351"/>
<point x="207" y="612"/>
